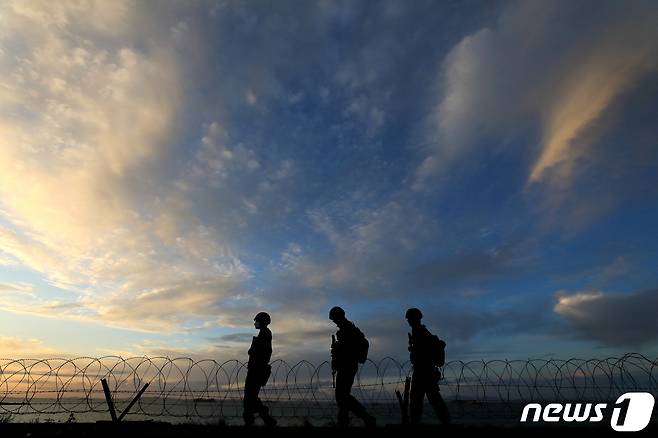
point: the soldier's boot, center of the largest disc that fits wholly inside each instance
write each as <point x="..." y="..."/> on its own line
<point x="268" y="420"/>
<point x="370" y="421"/>
<point x="343" y="419"/>
<point x="264" y="413"/>
<point x="361" y="412"/>
<point x="248" y="419"/>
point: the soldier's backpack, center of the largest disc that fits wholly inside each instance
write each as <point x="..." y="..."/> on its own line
<point x="438" y="351"/>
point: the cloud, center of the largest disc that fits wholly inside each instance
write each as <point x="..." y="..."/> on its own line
<point x="140" y="195"/>
<point x="503" y="82"/>
<point x="176" y="305"/>
<point x="603" y="76"/>
<point x="362" y="252"/>
<point x="168" y="308"/>
<point x="392" y="250"/>
<point x="15" y="347"/>
<point x="233" y="337"/>
<point x="71" y="154"/>
<point x="6" y="261"/>
<point x="90" y="111"/>
<point x="618" y="320"/>
<point x="449" y="270"/>
<point x="179" y="169"/>
<point x="16" y="287"/>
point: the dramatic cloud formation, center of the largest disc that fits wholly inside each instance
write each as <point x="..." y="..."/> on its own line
<point x="547" y="64"/>
<point x="87" y="133"/>
<point x="166" y="173"/>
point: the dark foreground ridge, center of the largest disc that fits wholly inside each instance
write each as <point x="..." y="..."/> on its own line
<point x="161" y="429"/>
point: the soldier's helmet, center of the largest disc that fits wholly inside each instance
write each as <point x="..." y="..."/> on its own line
<point x="336" y="313"/>
<point x="263" y="318"/>
<point x="414" y="314"/>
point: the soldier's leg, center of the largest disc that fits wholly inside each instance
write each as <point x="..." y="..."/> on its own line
<point x="352" y="403"/>
<point x="436" y="401"/>
<point x="360" y="411"/>
<point x="343" y="385"/>
<point x="263" y="410"/>
<point x="250" y="401"/>
<point x="416" y="397"/>
<point x="258" y="405"/>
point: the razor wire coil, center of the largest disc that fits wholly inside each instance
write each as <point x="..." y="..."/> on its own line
<point x="208" y="389"/>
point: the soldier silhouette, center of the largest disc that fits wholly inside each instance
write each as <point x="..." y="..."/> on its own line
<point x="258" y="372"/>
<point x="427" y="353"/>
<point x="350" y="349"/>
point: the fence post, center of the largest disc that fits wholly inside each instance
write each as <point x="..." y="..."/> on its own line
<point x="404" y="401"/>
<point x="108" y="399"/>
<point x="139" y="394"/>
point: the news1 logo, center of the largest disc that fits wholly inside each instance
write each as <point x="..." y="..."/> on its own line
<point x="631" y="412"/>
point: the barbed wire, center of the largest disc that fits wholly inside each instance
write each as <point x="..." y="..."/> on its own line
<point x="208" y="389"/>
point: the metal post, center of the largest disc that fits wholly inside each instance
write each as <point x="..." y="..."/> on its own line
<point x="403" y="401"/>
<point x="108" y="399"/>
<point x="139" y="394"/>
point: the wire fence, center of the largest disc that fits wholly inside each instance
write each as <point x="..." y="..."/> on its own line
<point x="183" y="389"/>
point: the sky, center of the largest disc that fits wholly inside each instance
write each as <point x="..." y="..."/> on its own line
<point x="169" y="169"/>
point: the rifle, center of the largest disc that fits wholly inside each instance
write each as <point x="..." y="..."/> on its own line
<point x="333" y="370"/>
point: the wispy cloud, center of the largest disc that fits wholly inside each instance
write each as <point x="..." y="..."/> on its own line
<point x="16" y="287"/>
<point x="625" y="54"/>
<point x="500" y="83"/>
